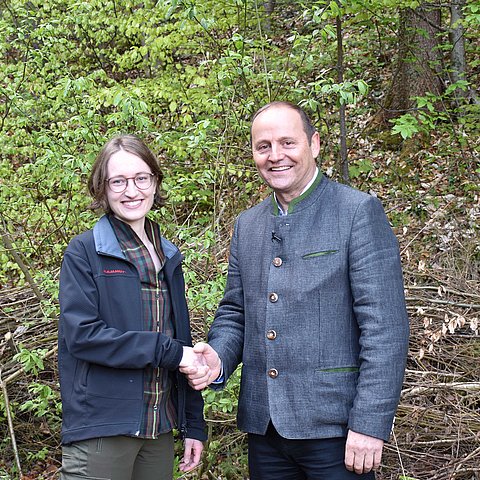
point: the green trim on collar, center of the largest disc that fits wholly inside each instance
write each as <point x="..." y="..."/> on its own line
<point x="276" y="210"/>
<point x="304" y="195"/>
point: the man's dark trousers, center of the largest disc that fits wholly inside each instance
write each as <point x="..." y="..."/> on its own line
<point x="272" y="457"/>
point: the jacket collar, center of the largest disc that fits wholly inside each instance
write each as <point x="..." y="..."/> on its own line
<point x="306" y="199"/>
<point x="106" y="242"/>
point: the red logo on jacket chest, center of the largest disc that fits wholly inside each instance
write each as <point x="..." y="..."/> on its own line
<point x="113" y="272"/>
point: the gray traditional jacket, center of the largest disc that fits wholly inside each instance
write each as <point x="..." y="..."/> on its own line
<point x="314" y="308"/>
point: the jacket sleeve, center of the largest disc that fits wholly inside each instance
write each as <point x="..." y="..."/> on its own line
<point x="195" y="422"/>
<point x="379" y="306"/>
<point x="90" y="337"/>
<point x="226" y="334"/>
<point x="191" y="422"/>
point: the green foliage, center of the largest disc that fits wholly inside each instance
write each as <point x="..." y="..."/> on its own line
<point x="326" y="90"/>
<point x="361" y="167"/>
<point x="406" y="125"/>
<point x="186" y="76"/>
<point x="225" y="400"/>
<point x="228" y="458"/>
<point x="31" y="360"/>
<point x="44" y="402"/>
<point x="471" y="13"/>
<point x="432" y="114"/>
<point x="4" y="475"/>
<point x="3" y="411"/>
<point x="38" y="455"/>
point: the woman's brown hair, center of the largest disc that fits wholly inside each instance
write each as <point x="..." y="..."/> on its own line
<point x="97" y="184"/>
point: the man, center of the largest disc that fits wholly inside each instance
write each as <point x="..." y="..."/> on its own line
<point x="314" y="308"/>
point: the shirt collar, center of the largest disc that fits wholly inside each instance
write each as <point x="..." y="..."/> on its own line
<point x="129" y="240"/>
<point x="281" y="212"/>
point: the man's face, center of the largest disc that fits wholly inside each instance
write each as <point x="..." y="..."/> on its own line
<point x="282" y="153"/>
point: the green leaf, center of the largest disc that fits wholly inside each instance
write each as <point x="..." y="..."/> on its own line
<point x="406" y="126"/>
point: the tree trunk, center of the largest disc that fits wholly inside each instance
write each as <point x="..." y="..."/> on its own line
<point x="342" y="110"/>
<point x="457" y="55"/>
<point x="419" y="63"/>
<point x="269" y="8"/>
<point x="457" y="38"/>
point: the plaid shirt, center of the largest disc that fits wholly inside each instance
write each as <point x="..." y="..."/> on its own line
<point x="158" y="415"/>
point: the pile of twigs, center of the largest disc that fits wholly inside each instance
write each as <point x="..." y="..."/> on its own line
<point x="437" y="429"/>
<point x="23" y="324"/>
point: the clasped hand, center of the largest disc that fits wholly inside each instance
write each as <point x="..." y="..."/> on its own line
<point x="201" y="365"/>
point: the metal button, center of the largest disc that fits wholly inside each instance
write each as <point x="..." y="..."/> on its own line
<point x="271" y="334"/>
<point x="273" y="373"/>
<point x="273" y="297"/>
<point x="277" y="261"/>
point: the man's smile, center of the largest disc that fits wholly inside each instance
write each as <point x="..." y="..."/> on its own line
<point x="280" y="169"/>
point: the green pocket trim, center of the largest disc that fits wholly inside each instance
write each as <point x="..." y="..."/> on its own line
<point x="339" y="370"/>
<point x="319" y="254"/>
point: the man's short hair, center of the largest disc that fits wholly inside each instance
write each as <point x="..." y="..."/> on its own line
<point x="308" y="127"/>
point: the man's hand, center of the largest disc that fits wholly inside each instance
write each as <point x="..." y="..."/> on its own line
<point x="191" y="455"/>
<point x="362" y="453"/>
<point x="200" y="377"/>
<point x="192" y="359"/>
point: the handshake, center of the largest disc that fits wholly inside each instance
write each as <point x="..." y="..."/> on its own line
<point x="201" y="365"/>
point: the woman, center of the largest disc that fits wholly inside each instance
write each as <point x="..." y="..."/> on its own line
<point x="124" y="331"/>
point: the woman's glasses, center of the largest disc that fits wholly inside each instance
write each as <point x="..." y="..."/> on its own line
<point x="141" y="180"/>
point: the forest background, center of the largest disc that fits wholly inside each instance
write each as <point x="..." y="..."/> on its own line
<point x="392" y="87"/>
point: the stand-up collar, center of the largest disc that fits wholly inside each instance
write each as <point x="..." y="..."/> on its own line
<point x="304" y="200"/>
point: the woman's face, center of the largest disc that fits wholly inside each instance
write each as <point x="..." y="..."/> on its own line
<point x="133" y="203"/>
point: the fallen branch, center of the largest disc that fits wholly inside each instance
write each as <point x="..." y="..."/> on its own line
<point x="467" y="386"/>
<point x="444" y="302"/>
<point x="442" y="289"/>
<point x="3" y="386"/>
<point x="20" y="262"/>
<point x="16" y="374"/>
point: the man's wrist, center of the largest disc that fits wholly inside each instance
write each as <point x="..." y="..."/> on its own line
<point x="220" y="378"/>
